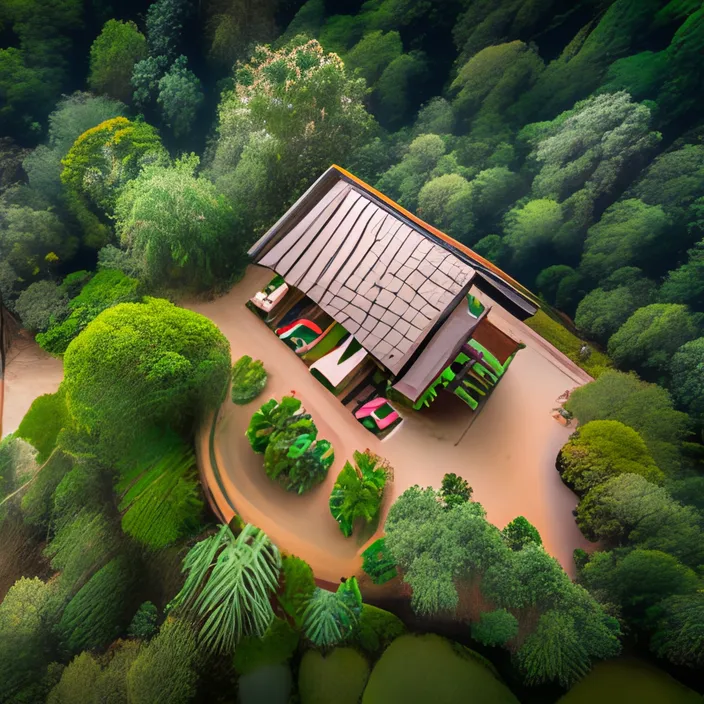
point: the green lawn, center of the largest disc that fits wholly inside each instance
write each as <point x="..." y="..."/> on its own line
<point x="338" y="678"/>
<point x="427" y="669"/>
<point x="629" y="680"/>
<point x="568" y="343"/>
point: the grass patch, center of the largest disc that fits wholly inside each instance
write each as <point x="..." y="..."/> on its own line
<point x="427" y="668"/>
<point x="629" y="680"/>
<point x="340" y="677"/>
<point x="569" y="344"/>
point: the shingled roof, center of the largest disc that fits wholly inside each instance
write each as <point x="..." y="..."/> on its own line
<point x="375" y="268"/>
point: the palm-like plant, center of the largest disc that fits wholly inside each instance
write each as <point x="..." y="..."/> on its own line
<point x="330" y="617"/>
<point x="358" y="490"/>
<point x="230" y="580"/>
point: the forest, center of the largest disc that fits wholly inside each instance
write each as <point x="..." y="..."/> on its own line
<point x="145" y="147"/>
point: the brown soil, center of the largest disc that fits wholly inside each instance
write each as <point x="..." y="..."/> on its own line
<point x="508" y="455"/>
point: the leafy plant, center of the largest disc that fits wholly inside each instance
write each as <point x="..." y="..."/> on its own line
<point x="378" y="562"/>
<point x="228" y="586"/>
<point x="358" y="490"/>
<point x="298" y="587"/>
<point x="143" y="624"/>
<point x="331" y="617"/>
<point x="495" y="627"/>
<point x="268" y="418"/>
<point x="454" y="490"/>
<point x="248" y="380"/>
<point x="520" y="532"/>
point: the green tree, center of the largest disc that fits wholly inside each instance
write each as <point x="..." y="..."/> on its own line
<point x="331" y="617"/>
<point x="165" y="19"/>
<point x="96" y="615"/>
<point x="520" y="532"/>
<point x="630" y="233"/>
<point x="436" y="197"/>
<point x="145" y="79"/>
<point x="639" y="579"/>
<point x="41" y="305"/>
<point x="166" y="669"/>
<point x="530" y="229"/>
<point x="298" y="587"/>
<point x="495" y="627"/>
<point x="100" y="163"/>
<point x="229" y="585"/>
<point x="646" y="408"/>
<point x="178" y="227"/>
<point x="686" y="283"/>
<point x="455" y="490"/>
<point x="401" y="89"/>
<point x="679" y="633"/>
<point x="358" y="491"/>
<point x="602" y="449"/>
<point x="548" y="281"/>
<point x="24" y="634"/>
<point x="180" y="97"/>
<point x="78" y="681"/>
<point x="72" y="116"/>
<point x="628" y="509"/>
<point x="554" y="651"/>
<point x="143" y="364"/>
<point x="248" y="380"/>
<point x="34" y="242"/>
<point x="118" y="47"/>
<point x="494" y="248"/>
<point x="143" y="624"/>
<point x="266" y="150"/>
<point x="687" y="370"/>
<point x="372" y="54"/>
<point x="435" y="117"/>
<point x="650" y="337"/>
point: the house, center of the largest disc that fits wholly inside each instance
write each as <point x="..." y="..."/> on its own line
<point x="398" y="286"/>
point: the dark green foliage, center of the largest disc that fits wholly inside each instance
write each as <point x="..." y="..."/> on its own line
<point x="638" y="580"/>
<point x="143" y="364"/>
<point x="372" y="54"/>
<point x="37" y="501"/>
<point x="298" y="587"/>
<point x="165" y="19"/>
<point x="332" y="617"/>
<point x="686" y="284"/>
<point x="378" y="563"/>
<point x="602" y="449"/>
<point x="377" y="629"/>
<point x="401" y="88"/>
<point x="160" y="498"/>
<point x="166" y="669"/>
<point x="275" y="647"/>
<point x="180" y="97"/>
<point x="520" y="532"/>
<point x="145" y="79"/>
<point x="358" y="491"/>
<point x="107" y="288"/>
<point x="43" y="422"/>
<point x="143" y="624"/>
<point x="455" y="490"/>
<point x="97" y="613"/>
<point x="679" y="633"/>
<point x="41" y="305"/>
<point x="248" y="380"/>
<point x="495" y="627"/>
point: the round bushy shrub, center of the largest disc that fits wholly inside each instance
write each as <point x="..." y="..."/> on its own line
<point x="495" y="627"/>
<point x="42" y="304"/>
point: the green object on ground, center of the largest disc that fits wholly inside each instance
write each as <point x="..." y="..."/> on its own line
<point x="339" y="677"/>
<point x="327" y="344"/>
<point x="428" y="668"/>
<point x="43" y="422"/>
<point x="629" y="680"/>
<point x="248" y="380"/>
<point x="378" y="563"/>
<point x="275" y="647"/>
<point x="377" y="629"/>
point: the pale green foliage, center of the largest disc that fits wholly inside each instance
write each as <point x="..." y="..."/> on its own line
<point x="41" y="305"/>
<point x="166" y="670"/>
<point x="78" y="681"/>
<point x="118" y="47"/>
<point x="495" y="627"/>
<point x="435" y="117"/>
<point x="436" y="196"/>
<point x="358" y="491"/>
<point x="602" y="449"/>
<point x="532" y="227"/>
<point x="629" y="509"/>
<point x="228" y="586"/>
<point x="331" y="617"/>
<point x="180" y="97"/>
<point x="178" y="227"/>
<point x="650" y="337"/>
<point x="276" y="646"/>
